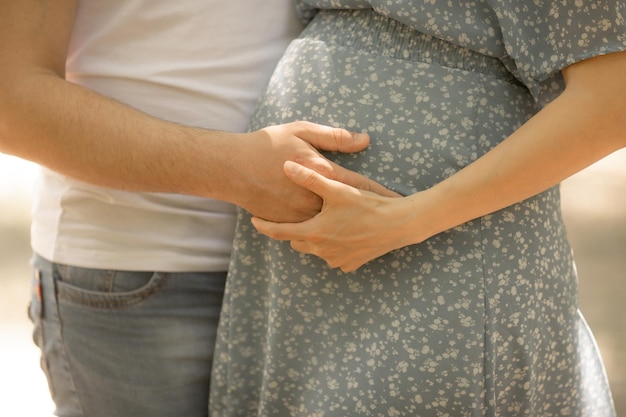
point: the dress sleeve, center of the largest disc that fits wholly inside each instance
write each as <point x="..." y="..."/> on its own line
<point x="542" y="37"/>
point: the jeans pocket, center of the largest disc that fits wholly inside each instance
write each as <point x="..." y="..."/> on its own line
<point x="36" y="315"/>
<point x="103" y="288"/>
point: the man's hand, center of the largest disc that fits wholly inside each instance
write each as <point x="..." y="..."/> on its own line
<point x="267" y="193"/>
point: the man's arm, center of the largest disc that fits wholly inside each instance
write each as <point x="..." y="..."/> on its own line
<point x="92" y="138"/>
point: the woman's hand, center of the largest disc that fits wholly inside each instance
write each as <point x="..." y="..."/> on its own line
<point x="578" y="128"/>
<point x="353" y="227"/>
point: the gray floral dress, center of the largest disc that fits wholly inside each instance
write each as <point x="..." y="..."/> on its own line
<point x="481" y="320"/>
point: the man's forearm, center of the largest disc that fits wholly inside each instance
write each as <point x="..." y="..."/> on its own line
<point x="92" y="138"/>
<point x="84" y="135"/>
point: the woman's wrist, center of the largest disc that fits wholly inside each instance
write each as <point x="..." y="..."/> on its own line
<point x="433" y="211"/>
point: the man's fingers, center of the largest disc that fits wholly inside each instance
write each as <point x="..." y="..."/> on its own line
<point x="332" y="138"/>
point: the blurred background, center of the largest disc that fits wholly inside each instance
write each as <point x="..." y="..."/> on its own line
<point x="594" y="205"/>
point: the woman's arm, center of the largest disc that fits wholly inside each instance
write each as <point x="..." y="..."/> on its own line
<point x="584" y="124"/>
<point x="92" y="138"/>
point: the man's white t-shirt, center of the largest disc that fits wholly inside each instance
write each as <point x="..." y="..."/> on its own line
<point x="201" y="63"/>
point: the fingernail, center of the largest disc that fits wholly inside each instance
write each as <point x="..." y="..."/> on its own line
<point x="292" y="167"/>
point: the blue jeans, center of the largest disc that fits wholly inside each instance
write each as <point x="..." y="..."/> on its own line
<point x="118" y="343"/>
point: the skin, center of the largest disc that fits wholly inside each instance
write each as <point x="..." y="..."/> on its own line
<point x="95" y="139"/>
<point x="584" y="124"/>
